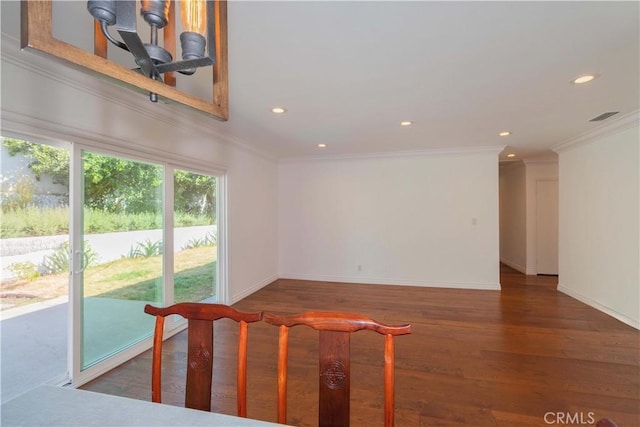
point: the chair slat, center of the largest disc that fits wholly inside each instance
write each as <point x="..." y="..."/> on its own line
<point x="335" y="373"/>
<point x="199" y="365"/>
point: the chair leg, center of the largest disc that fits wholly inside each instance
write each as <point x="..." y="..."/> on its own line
<point x="389" y="391"/>
<point x="156" y="363"/>
<point x="242" y="369"/>
<point x="283" y="349"/>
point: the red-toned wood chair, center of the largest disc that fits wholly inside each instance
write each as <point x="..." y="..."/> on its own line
<point x="334" y="393"/>
<point x="200" y="317"/>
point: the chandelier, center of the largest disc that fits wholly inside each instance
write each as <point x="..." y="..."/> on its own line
<point x="197" y="39"/>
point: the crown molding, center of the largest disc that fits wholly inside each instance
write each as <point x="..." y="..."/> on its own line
<point x="621" y="123"/>
<point x="398" y="154"/>
<point x="110" y="92"/>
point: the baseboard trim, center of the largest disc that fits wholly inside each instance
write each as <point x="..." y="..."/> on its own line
<point x="634" y="323"/>
<point x="398" y="282"/>
<point x="254" y="288"/>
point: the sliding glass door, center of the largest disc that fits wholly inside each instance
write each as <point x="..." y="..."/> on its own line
<point x="145" y="232"/>
<point x="108" y="233"/>
<point x="119" y="255"/>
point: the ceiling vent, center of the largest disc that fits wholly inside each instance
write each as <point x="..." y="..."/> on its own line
<point x="604" y="116"/>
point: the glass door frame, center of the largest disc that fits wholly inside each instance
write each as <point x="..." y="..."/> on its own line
<point x="78" y="375"/>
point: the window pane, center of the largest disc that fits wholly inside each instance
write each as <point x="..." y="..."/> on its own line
<point x="195" y="237"/>
<point x="122" y="253"/>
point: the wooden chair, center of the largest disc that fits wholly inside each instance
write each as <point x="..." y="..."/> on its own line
<point x="334" y="393"/>
<point x="200" y="318"/>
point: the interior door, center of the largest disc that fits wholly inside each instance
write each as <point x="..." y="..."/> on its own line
<point x="547" y="227"/>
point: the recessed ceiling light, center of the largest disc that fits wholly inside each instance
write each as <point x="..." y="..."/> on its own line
<point x="505" y="133"/>
<point x="406" y="123"/>
<point x="511" y="155"/>
<point x="583" y="79"/>
<point x="322" y="145"/>
<point x="278" y="110"/>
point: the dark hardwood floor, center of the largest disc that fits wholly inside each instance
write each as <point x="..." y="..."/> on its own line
<point x="476" y="358"/>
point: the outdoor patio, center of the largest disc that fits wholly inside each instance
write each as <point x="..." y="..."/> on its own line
<point x="34" y="339"/>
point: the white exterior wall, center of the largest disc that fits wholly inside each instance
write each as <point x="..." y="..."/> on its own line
<point x="425" y="220"/>
<point x="600" y="220"/>
<point x="16" y="167"/>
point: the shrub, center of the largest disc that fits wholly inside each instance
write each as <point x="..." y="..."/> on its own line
<point x="34" y="221"/>
<point x="25" y="270"/>
<point x="10" y="226"/>
<point x="48" y="222"/>
<point x="183" y="219"/>
<point x="59" y="260"/>
<point x="19" y="193"/>
<point x="145" y="249"/>
<point x="145" y="221"/>
<point x="209" y="239"/>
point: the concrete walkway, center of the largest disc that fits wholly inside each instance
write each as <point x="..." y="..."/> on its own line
<point x="34" y="343"/>
<point x="34" y="350"/>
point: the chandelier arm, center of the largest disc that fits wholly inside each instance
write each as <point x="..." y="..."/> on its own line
<point x="105" y="31"/>
<point x="186" y="64"/>
<point x="140" y="54"/>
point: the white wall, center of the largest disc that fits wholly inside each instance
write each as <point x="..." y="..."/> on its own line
<point x="426" y="220"/>
<point x="43" y="98"/>
<point x="513" y="236"/>
<point x="252" y="218"/>
<point x="599" y="220"/>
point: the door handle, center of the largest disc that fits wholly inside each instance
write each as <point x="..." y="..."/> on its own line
<point x="82" y="261"/>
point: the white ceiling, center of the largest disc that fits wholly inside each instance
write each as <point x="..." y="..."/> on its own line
<point x="349" y="72"/>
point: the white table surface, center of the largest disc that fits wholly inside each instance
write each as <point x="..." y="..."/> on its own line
<point x="63" y="406"/>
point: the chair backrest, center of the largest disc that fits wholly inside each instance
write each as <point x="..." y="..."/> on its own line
<point x="334" y="392"/>
<point x="200" y="317"/>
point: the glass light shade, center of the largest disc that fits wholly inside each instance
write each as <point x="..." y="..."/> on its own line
<point x="194" y="24"/>
<point x="194" y="16"/>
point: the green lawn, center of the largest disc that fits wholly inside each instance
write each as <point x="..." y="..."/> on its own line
<point x="126" y="278"/>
